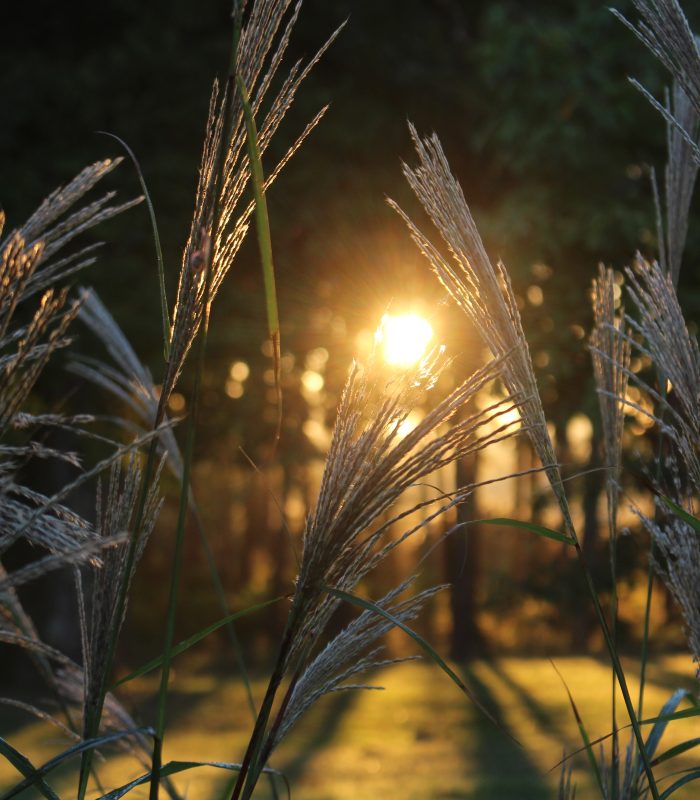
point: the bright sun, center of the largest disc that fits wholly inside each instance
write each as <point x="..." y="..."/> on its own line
<point x="404" y="338"/>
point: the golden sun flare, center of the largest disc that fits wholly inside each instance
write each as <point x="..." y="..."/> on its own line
<point x="404" y="338"/>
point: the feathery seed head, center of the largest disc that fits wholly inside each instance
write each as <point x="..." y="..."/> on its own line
<point x="483" y="292"/>
<point x="370" y="465"/>
<point x="610" y="353"/>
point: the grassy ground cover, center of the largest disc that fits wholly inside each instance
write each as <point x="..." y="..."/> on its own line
<point x="419" y="739"/>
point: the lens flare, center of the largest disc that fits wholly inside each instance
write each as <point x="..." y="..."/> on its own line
<point x="404" y="338"/>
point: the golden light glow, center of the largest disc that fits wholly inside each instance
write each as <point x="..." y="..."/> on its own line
<point x="579" y="433"/>
<point x="312" y="381"/>
<point x="412" y="420"/>
<point x="404" y="338"/>
<point x="234" y="389"/>
<point x="176" y="402"/>
<point x="239" y="371"/>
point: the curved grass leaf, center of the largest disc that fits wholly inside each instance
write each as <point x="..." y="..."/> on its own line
<point x="659" y="728"/>
<point x="192" y="640"/>
<point x="683" y="747"/>
<point x="25" y="767"/>
<point x="173" y="767"/>
<point x="694" y="522"/>
<point x="262" y="225"/>
<point x="66" y="755"/>
<point x="368" y="605"/>
<point x="156" y="241"/>
<point x="693" y="775"/>
<point x="540" y="530"/>
<point x="686" y="713"/>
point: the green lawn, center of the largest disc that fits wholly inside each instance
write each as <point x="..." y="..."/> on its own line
<point x="418" y="739"/>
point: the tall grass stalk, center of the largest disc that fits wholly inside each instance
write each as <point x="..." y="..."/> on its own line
<point x="130" y="382"/>
<point x="176" y="568"/>
<point x="92" y="722"/>
<point x="611" y="360"/>
<point x="175" y="573"/>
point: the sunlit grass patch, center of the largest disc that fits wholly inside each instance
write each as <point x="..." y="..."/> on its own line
<point x="418" y="739"/>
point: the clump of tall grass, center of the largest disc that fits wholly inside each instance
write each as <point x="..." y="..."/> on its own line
<point x="484" y="293"/>
<point x="372" y="462"/>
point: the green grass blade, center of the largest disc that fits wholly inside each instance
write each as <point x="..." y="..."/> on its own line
<point x="25" y="767"/>
<point x="659" y="727"/>
<point x="174" y="767"/>
<point x="178" y="551"/>
<point x="686" y="713"/>
<point x="619" y="672"/>
<point x="693" y="775"/>
<point x="262" y="225"/>
<point x="694" y="522"/>
<point x="185" y="644"/>
<point x="683" y="747"/>
<point x="540" y="530"/>
<point x="587" y="745"/>
<point x="262" y="216"/>
<point x="76" y="749"/>
<point x="156" y="241"/>
<point x="368" y="605"/>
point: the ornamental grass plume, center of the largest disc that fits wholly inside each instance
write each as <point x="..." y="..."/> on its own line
<point x="28" y="266"/>
<point x="370" y="464"/>
<point x="222" y="214"/>
<point x="679" y="178"/>
<point x="126" y="378"/>
<point x="610" y="354"/>
<point x="663" y="337"/>
<point x="661" y="332"/>
<point x="116" y="511"/>
<point x="483" y="292"/>
<point x="486" y="296"/>
<point x="27" y="253"/>
<point x="665" y="31"/>
<point x="352" y="652"/>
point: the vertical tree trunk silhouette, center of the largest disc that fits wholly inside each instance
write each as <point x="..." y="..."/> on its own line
<point x="593" y="484"/>
<point x="462" y="562"/>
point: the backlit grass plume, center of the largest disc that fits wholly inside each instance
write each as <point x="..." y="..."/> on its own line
<point x="611" y="361"/>
<point x="29" y="266"/>
<point x="126" y="378"/>
<point x="664" y="338"/>
<point x="116" y="509"/>
<point x="369" y="466"/>
<point x="679" y="177"/>
<point x="664" y="29"/>
<point x="352" y="652"/>
<point x="222" y="212"/>
<point x="483" y="292"/>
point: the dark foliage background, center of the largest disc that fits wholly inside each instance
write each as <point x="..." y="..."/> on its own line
<point x="551" y="144"/>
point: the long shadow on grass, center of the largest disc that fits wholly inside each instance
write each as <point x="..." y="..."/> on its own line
<point x="535" y="710"/>
<point x="326" y="721"/>
<point x="665" y="676"/>
<point x="502" y="767"/>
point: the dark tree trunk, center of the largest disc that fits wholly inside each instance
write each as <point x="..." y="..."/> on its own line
<point x="462" y="559"/>
<point x="593" y="484"/>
